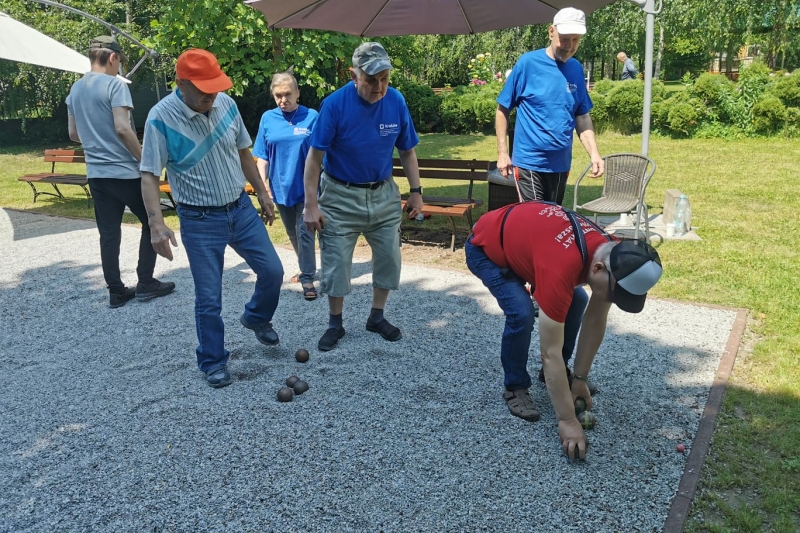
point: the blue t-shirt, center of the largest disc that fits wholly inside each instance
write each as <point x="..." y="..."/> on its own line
<point x="548" y="95"/>
<point x="359" y="138"/>
<point x="285" y="146"/>
<point x="91" y="101"/>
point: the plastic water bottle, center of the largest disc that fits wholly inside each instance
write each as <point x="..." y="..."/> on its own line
<point x="683" y="216"/>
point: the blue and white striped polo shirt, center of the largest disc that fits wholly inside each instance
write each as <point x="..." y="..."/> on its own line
<point x="200" y="153"/>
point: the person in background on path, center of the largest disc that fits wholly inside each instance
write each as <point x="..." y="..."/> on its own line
<point x="629" y="71"/>
<point x="358" y="129"/>
<point x="197" y="133"/>
<point x="505" y="254"/>
<point x="548" y="89"/>
<point x="281" y="147"/>
<point x="99" y="106"/>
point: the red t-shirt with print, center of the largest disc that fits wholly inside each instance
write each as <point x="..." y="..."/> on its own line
<point x="539" y="246"/>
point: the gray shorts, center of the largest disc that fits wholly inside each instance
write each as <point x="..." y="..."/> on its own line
<point x="350" y="212"/>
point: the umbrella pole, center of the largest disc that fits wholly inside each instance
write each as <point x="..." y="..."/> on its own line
<point x="649" y="7"/>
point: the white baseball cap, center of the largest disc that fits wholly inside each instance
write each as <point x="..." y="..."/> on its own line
<point x="570" y="21"/>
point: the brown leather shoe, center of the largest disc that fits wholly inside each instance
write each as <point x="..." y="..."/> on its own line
<point x="521" y="404"/>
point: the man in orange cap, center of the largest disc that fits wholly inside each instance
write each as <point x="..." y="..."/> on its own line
<point x="197" y="133"/>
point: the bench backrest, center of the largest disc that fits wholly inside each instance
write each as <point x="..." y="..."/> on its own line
<point x="471" y="170"/>
<point x="447" y="169"/>
<point x="64" y="156"/>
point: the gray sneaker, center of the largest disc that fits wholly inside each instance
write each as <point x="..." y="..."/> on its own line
<point x="218" y="378"/>
<point x="264" y="332"/>
<point x="521" y="404"/>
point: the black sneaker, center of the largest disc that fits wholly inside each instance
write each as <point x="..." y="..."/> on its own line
<point x="118" y="300"/>
<point x="386" y="330"/>
<point x="330" y="339"/>
<point x="264" y="332"/>
<point x="153" y="290"/>
<point x="218" y="378"/>
<point x="593" y="389"/>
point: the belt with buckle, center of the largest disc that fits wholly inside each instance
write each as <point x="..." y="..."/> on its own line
<point x="373" y="185"/>
<point x="226" y="207"/>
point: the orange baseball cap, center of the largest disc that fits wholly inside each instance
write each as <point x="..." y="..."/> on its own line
<point x="202" y="69"/>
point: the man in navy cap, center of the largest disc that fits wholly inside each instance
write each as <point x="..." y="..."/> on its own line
<point x="99" y="106"/>
<point x="565" y="252"/>
<point x="358" y="129"/>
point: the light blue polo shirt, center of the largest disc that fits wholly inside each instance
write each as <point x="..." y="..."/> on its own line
<point x="359" y="138"/>
<point x="548" y="95"/>
<point x="200" y="153"/>
<point x="285" y="145"/>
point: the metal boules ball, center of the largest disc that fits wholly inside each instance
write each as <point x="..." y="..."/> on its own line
<point x="300" y="387"/>
<point x="587" y="419"/>
<point x="285" y="394"/>
<point x="301" y="355"/>
<point x="291" y="380"/>
<point x="580" y="405"/>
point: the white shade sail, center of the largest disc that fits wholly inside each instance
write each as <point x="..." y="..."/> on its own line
<point x="22" y="43"/>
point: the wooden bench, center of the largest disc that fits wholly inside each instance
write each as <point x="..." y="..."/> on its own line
<point x="55" y="179"/>
<point x="448" y="169"/>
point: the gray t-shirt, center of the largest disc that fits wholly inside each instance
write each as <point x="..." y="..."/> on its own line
<point x="91" y="100"/>
<point x="629" y="71"/>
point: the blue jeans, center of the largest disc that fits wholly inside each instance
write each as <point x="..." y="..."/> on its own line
<point x="515" y="301"/>
<point x="205" y="233"/>
<point x="302" y="240"/>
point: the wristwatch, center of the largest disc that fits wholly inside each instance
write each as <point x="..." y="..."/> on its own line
<point x="416" y="189"/>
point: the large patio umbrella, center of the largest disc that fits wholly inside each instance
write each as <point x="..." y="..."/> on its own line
<point x="374" y="18"/>
<point x="413" y="17"/>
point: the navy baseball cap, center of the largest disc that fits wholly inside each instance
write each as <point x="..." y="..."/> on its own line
<point x="636" y="267"/>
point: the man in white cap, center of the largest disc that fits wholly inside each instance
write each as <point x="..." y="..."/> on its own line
<point x="548" y="89"/>
<point x="358" y="129"/>
<point x="565" y="252"/>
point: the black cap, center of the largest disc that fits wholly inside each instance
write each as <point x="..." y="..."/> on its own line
<point x="636" y="267"/>
<point x="107" y="42"/>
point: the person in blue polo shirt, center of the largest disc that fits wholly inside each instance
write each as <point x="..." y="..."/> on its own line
<point x="281" y="147"/>
<point x="358" y="129"/>
<point x="198" y="134"/>
<point x="548" y="90"/>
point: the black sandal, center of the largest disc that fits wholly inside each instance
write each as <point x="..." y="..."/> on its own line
<point x="309" y="292"/>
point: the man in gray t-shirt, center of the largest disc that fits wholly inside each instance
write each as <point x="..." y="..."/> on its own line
<point x="99" y="106"/>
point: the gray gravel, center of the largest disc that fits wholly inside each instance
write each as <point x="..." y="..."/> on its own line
<point x="107" y="425"/>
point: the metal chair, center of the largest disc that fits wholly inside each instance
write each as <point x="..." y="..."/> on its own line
<point x="625" y="182"/>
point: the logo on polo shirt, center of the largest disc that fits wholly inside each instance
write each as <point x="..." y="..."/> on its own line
<point x="571" y="87"/>
<point x="389" y="129"/>
<point x="301" y="131"/>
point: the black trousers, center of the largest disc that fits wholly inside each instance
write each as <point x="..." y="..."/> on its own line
<point x="110" y="198"/>
<point x="548" y="186"/>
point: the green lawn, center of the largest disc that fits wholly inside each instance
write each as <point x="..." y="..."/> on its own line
<point x="746" y="205"/>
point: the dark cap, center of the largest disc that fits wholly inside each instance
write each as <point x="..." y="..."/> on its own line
<point x="107" y="42"/>
<point x="371" y="58"/>
<point x="637" y="268"/>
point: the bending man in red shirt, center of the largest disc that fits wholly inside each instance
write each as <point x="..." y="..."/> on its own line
<point x="535" y="242"/>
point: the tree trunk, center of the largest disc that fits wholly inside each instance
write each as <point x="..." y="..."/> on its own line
<point x="660" y="53"/>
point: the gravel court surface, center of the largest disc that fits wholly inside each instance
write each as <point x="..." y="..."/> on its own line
<point x="108" y="425"/>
